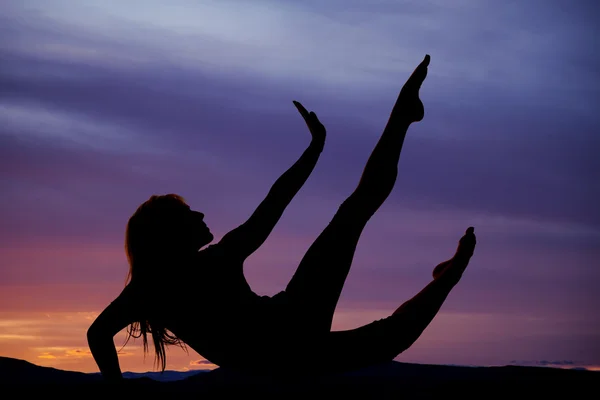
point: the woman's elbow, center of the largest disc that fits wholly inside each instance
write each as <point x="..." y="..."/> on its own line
<point x="94" y="334"/>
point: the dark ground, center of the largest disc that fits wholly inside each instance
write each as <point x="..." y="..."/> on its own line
<point x="393" y="380"/>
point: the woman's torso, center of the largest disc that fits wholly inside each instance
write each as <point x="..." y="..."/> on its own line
<point x="218" y="315"/>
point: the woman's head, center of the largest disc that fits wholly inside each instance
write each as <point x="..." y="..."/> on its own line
<point x="163" y="229"/>
<point x="160" y="234"/>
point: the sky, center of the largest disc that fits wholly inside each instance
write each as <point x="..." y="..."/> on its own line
<point x="105" y="103"/>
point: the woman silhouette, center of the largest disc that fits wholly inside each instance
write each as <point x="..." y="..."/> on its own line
<point x="179" y="295"/>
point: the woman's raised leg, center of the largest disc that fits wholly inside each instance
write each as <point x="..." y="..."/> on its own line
<point x="315" y="288"/>
<point x="383" y="340"/>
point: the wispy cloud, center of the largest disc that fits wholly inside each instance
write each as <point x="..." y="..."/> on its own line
<point x="202" y="363"/>
<point x="565" y="364"/>
<point x="45" y="126"/>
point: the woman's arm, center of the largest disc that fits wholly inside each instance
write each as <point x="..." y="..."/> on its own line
<point x="100" y="334"/>
<point x="248" y="237"/>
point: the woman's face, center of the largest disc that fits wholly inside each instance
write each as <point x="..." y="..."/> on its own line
<point x="195" y="230"/>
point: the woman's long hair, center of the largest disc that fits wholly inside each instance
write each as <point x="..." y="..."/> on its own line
<point x="150" y="243"/>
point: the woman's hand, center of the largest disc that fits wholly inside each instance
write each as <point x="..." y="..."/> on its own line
<point x="316" y="128"/>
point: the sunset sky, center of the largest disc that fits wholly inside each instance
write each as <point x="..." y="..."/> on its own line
<point x="104" y="103"/>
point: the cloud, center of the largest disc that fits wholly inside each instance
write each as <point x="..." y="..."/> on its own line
<point x="201" y="363"/>
<point x="11" y="337"/>
<point x="492" y="44"/>
<point x="37" y="124"/>
<point x="173" y="109"/>
<point x="63" y="353"/>
<point x="564" y="364"/>
<point x="550" y="179"/>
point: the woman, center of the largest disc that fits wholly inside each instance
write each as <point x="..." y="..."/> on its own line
<point x="179" y="295"/>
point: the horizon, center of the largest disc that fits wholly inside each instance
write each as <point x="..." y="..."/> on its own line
<point x="541" y="364"/>
<point x="104" y="103"/>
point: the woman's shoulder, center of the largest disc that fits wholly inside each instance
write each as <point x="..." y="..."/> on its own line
<point x="130" y="292"/>
<point x="210" y="249"/>
<point x="210" y="253"/>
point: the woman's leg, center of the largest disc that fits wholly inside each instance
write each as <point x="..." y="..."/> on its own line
<point x="315" y="288"/>
<point x="385" y="339"/>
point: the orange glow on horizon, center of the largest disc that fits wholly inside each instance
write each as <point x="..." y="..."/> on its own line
<point x="59" y="340"/>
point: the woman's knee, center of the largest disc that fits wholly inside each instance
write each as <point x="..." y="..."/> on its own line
<point x="357" y="208"/>
<point x="391" y="339"/>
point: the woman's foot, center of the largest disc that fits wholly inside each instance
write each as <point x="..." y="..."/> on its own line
<point x="409" y="103"/>
<point x="457" y="264"/>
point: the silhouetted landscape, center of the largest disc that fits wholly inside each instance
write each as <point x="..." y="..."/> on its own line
<point x="390" y="380"/>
